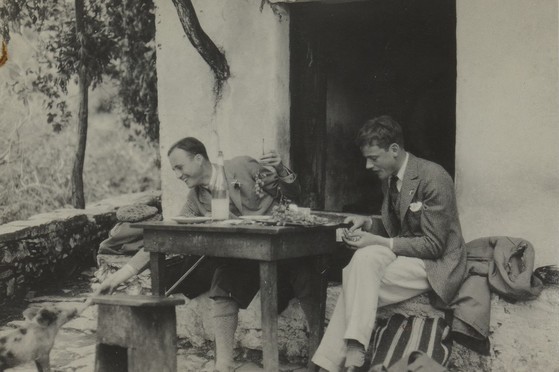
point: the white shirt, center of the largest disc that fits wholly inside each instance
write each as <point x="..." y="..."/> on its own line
<point x="401" y="172"/>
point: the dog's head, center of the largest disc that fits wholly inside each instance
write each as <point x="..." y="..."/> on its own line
<point x="50" y="315"/>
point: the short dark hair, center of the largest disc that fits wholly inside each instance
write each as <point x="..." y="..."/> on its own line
<point x="191" y="145"/>
<point x="381" y="131"/>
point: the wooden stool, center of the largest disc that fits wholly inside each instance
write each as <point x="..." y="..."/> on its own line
<point x="136" y="333"/>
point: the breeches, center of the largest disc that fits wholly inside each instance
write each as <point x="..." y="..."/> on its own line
<point x="240" y="280"/>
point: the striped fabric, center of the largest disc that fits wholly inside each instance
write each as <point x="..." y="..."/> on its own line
<point x="402" y="335"/>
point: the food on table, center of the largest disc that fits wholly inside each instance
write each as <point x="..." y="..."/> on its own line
<point x="283" y="215"/>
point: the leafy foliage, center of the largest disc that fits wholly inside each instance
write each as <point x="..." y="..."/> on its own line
<point x="134" y="66"/>
<point x="35" y="163"/>
<point x="119" y="44"/>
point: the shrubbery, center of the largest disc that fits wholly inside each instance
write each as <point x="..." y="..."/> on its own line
<point x="36" y="162"/>
<point x="35" y="176"/>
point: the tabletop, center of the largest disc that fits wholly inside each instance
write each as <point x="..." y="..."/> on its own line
<point x="219" y="226"/>
<point x="254" y="241"/>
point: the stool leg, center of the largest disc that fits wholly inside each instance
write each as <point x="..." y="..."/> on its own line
<point x="154" y="347"/>
<point x="136" y="339"/>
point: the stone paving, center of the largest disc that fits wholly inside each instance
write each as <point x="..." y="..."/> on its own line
<point x="74" y="348"/>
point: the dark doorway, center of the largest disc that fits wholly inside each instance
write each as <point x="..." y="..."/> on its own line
<point x="354" y="61"/>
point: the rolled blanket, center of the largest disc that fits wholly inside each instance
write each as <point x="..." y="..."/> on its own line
<point x="137" y="213"/>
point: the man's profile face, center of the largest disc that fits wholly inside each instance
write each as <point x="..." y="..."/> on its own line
<point x="381" y="162"/>
<point x="187" y="167"/>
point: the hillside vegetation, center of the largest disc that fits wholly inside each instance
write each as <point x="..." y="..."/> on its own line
<point x="36" y="161"/>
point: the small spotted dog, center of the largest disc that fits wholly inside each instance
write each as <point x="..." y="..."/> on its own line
<point x="33" y="340"/>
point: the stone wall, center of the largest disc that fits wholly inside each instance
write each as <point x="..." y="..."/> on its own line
<point x="53" y="245"/>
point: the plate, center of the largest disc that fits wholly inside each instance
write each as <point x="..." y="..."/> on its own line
<point x="180" y="219"/>
<point x="256" y="218"/>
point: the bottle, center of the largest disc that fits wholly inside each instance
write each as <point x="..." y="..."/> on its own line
<point x="220" y="193"/>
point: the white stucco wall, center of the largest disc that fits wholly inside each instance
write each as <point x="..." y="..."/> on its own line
<point x="507" y="168"/>
<point x="255" y="102"/>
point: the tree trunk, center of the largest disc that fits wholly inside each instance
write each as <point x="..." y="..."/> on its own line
<point x="78" y="198"/>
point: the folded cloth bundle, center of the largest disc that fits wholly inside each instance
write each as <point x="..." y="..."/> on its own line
<point x="137" y="213"/>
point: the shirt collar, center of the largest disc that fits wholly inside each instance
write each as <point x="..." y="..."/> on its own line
<point x="402" y="171"/>
<point x="211" y="185"/>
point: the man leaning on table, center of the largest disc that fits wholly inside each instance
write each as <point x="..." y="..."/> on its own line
<point x="232" y="282"/>
<point x="424" y="252"/>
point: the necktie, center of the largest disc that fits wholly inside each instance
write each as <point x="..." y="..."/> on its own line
<point x="394" y="197"/>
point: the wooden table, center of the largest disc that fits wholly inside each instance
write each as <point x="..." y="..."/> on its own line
<point x="266" y="244"/>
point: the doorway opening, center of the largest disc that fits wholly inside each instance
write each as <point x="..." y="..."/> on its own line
<point x="354" y="61"/>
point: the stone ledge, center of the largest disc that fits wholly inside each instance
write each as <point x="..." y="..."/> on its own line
<point x="101" y="211"/>
<point x="57" y="242"/>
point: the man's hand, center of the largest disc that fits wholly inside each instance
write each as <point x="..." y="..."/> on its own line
<point x="360" y="239"/>
<point x="106" y="287"/>
<point x="357" y="222"/>
<point x="272" y="159"/>
<point x="113" y="281"/>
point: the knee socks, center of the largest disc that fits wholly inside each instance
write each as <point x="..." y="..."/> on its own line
<point x="225" y="314"/>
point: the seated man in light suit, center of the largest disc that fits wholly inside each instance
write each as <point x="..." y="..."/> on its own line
<point x="253" y="190"/>
<point x="424" y="252"/>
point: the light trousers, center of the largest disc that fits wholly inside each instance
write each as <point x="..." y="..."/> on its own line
<point x="374" y="277"/>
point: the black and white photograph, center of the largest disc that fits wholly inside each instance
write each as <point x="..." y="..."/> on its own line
<point x="279" y="185"/>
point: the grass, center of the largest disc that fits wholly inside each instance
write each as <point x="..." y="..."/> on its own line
<point x="36" y="162"/>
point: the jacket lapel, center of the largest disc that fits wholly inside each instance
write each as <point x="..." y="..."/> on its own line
<point x="234" y="192"/>
<point x="409" y="187"/>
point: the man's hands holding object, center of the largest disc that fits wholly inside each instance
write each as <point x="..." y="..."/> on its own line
<point x="354" y="237"/>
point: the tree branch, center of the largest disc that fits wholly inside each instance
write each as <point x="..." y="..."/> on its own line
<point x="3" y="53"/>
<point x="203" y="44"/>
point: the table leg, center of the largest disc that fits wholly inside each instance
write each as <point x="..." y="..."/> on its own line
<point x="319" y="285"/>
<point x="269" y="300"/>
<point x="157" y="268"/>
